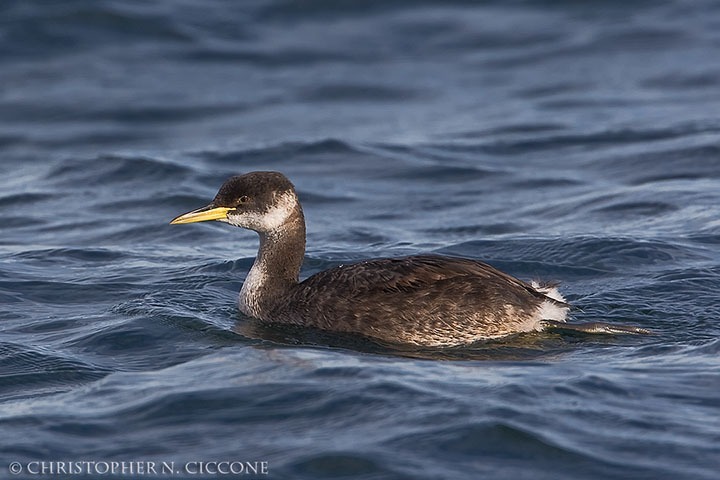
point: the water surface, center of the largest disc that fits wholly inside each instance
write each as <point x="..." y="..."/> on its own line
<point x="553" y="140"/>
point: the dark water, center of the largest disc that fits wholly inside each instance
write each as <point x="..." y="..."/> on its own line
<point x="576" y="141"/>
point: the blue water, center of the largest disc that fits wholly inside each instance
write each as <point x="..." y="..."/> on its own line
<point x="569" y="141"/>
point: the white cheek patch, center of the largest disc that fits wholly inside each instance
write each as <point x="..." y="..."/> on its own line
<point x="278" y="214"/>
<point x="283" y="207"/>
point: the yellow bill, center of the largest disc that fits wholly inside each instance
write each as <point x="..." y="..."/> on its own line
<point x="211" y="212"/>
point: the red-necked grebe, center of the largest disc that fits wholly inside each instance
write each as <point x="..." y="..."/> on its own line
<point x="426" y="300"/>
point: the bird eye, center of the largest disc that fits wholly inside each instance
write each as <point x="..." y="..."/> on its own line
<point x="244" y="199"/>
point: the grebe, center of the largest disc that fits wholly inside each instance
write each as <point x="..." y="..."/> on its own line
<point x="423" y="300"/>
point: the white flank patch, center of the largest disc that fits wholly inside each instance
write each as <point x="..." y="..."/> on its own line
<point x="549" y="310"/>
<point x="551" y="292"/>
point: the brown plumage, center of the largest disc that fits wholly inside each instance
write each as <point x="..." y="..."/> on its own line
<point x="426" y="300"/>
<point x="423" y="300"/>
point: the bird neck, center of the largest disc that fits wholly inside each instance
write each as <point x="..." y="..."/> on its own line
<point x="276" y="268"/>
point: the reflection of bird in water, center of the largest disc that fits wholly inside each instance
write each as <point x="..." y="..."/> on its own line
<point x="428" y="300"/>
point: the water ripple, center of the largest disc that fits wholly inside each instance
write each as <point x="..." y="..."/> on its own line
<point x="554" y="140"/>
